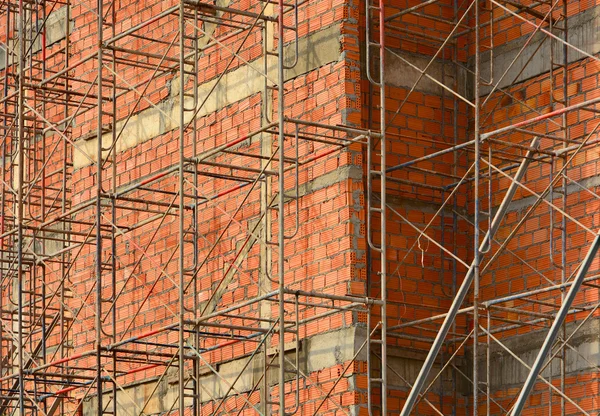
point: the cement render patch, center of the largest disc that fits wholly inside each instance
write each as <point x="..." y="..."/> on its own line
<point x="56" y="30"/>
<point x="316" y="50"/>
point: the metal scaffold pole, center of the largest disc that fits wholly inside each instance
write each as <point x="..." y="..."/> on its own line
<point x="99" y="177"/>
<point x="281" y="209"/>
<point x="556" y="327"/>
<point x="185" y="213"/>
<point x="375" y="21"/>
<point x="476" y="207"/>
<point x="181" y="200"/>
<point x="20" y="179"/>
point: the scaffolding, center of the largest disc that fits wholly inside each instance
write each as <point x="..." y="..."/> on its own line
<point x="66" y="258"/>
<point x="98" y="94"/>
<point x="497" y="154"/>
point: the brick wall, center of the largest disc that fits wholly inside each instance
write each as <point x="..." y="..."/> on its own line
<point x="329" y="253"/>
<point x="421" y="279"/>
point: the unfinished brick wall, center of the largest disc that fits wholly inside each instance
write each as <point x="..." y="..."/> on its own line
<point x="420" y="121"/>
<point x="421" y="282"/>
<point x="327" y="255"/>
<point x="533" y="257"/>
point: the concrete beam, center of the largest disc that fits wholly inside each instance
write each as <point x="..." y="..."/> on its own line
<point x="588" y="183"/>
<point x="317" y="353"/>
<point x="400" y="74"/>
<point x="506" y="371"/>
<point x="584" y="33"/>
<point x="404" y="365"/>
<point x="315" y="50"/>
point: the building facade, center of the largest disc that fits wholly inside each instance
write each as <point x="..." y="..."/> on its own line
<point x="235" y="207"/>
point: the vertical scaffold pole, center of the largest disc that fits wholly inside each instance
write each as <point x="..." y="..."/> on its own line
<point x="382" y="210"/>
<point x="280" y="212"/>
<point x="99" y="132"/>
<point x="476" y="216"/>
<point x="20" y="240"/>
<point x="181" y="275"/>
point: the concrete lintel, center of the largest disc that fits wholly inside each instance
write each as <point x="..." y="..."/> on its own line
<point x="430" y="207"/>
<point x="335" y="176"/>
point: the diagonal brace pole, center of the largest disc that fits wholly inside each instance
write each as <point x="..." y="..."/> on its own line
<point x="465" y="286"/>
<point x="556" y="327"/>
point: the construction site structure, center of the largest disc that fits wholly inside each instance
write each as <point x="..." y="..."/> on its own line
<point x="299" y="207"/>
